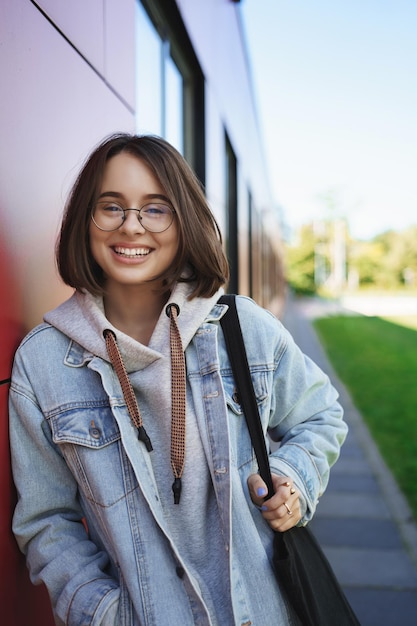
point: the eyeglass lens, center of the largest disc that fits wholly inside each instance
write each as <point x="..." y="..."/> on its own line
<point x="154" y="217"/>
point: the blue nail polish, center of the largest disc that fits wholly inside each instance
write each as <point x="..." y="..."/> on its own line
<point x="264" y="508"/>
<point x="261" y="491"/>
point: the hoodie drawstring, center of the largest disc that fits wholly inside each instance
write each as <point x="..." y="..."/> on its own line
<point x="178" y="400"/>
<point x="128" y="393"/>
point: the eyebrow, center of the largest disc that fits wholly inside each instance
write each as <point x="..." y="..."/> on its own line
<point x="147" y="197"/>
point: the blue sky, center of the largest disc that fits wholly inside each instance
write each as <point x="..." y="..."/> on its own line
<point x="336" y="87"/>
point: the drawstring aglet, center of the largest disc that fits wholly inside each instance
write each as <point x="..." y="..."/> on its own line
<point x="143" y="436"/>
<point x="176" y="488"/>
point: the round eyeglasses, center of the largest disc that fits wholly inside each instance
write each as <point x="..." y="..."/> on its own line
<point x="154" y="217"/>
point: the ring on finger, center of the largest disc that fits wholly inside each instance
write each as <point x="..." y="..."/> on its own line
<point x="288" y="508"/>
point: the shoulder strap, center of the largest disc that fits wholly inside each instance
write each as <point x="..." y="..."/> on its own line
<point x="238" y="359"/>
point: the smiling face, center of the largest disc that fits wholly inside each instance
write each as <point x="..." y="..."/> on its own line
<point x="131" y="255"/>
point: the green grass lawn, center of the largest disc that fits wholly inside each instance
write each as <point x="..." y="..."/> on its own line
<point x="377" y="361"/>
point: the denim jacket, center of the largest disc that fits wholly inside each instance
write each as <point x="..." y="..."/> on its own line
<point x="88" y="516"/>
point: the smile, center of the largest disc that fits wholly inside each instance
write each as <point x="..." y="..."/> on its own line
<point x="131" y="252"/>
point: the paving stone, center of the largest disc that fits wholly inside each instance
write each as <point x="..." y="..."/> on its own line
<point x="356" y="533"/>
<point x="358" y="467"/>
<point x="340" y="482"/>
<point x="383" y="607"/>
<point x="373" y="568"/>
<point x="353" y="505"/>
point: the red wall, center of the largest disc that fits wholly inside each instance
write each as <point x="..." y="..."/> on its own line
<point x="21" y="602"/>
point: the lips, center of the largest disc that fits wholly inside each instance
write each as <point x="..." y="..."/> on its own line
<point x="131" y="252"/>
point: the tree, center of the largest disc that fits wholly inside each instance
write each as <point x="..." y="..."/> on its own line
<point x="300" y="261"/>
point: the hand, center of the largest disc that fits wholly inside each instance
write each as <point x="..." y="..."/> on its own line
<point x="282" y="511"/>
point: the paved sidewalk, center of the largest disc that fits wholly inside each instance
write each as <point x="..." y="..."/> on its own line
<point x="363" y="522"/>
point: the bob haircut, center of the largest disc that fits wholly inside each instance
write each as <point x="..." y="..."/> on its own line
<point x="200" y="258"/>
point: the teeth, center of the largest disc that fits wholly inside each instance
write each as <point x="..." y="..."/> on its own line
<point x="132" y="251"/>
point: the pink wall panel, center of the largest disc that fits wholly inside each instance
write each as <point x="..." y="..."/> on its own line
<point x="53" y="109"/>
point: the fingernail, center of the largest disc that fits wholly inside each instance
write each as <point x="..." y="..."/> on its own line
<point x="264" y="507"/>
<point x="261" y="491"/>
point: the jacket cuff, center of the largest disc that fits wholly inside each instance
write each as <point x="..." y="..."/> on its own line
<point x="94" y="604"/>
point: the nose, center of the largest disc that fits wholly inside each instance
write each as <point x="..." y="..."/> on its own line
<point x="132" y="223"/>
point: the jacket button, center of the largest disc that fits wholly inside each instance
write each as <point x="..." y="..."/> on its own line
<point x="95" y="432"/>
<point x="180" y="571"/>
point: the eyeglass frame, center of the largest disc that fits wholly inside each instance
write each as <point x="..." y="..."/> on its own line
<point x="105" y="230"/>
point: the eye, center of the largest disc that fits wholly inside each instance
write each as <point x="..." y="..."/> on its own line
<point x="156" y="210"/>
<point x="110" y="207"/>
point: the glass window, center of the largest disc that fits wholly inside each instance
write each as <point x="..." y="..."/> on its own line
<point x="174" y="106"/>
<point x="232" y="220"/>
<point x="149" y="75"/>
<point x="169" y="81"/>
<point x="159" y="84"/>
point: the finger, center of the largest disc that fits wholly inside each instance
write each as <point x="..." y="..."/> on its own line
<point x="285" y="517"/>
<point x="283" y="510"/>
<point x="285" y="524"/>
<point x="257" y="489"/>
<point x="282" y="492"/>
<point x="279" y="508"/>
<point x="283" y="484"/>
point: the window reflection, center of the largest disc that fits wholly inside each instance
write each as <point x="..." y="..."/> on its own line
<point x="159" y="84"/>
<point x="148" y="75"/>
<point x="174" y="108"/>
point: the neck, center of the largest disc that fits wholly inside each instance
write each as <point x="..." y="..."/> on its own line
<point x="135" y="311"/>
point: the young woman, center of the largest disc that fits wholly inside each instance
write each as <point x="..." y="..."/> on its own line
<point x="139" y="502"/>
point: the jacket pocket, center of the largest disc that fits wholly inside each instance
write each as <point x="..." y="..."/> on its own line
<point x="241" y="443"/>
<point x="89" y="439"/>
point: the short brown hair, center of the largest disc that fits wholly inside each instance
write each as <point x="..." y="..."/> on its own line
<point x="200" y="243"/>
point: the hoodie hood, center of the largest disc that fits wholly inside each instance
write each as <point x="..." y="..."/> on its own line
<point x="82" y="319"/>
